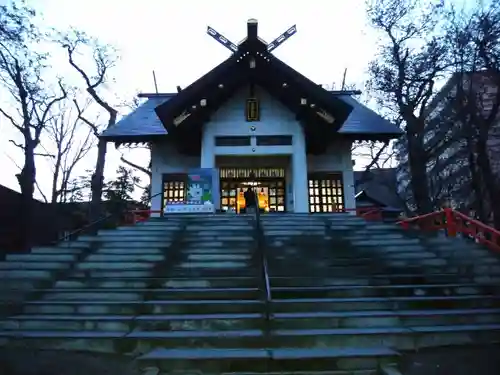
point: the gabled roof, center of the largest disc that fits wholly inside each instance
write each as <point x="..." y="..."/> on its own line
<point x="378" y="185"/>
<point x="366" y="123"/>
<point x="141" y="122"/>
<point x="253" y="64"/>
<point x="323" y="115"/>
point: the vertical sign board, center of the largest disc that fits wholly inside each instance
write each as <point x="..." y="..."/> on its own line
<point x="199" y="193"/>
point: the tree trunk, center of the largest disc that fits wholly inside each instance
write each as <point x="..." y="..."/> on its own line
<point x="418" y="173"/>
<point x="57" y="167"/>
<point x="476" y="185"/>
<point x="484" y="164"/>
<point x="26" y="181"/>
<point x="97" y="182"/>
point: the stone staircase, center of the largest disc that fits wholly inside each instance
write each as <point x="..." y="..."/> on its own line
<point x="186" y="294"/>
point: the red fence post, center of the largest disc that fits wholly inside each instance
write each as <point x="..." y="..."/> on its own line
<point x="451" y="224"/>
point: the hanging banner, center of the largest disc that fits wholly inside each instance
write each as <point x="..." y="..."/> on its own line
<point x="199" y="193"/>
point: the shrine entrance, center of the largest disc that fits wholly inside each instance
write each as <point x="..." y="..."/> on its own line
<point x="268" y="184"/>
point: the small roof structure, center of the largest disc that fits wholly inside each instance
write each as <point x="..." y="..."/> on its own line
<point x="324" y="114"/>
<point x="379" y="186"/>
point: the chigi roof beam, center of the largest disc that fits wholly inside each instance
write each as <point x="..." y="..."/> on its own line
<point x="281" y="39"/>
<point x="222" y="39"/>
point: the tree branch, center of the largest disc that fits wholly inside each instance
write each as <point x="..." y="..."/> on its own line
<point x="138" y="167"/>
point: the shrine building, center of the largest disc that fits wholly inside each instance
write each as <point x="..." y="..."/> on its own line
<point x="254" y="121"/>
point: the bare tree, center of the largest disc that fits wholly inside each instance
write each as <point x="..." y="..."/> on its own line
<point x="71" y="143"/>
<point x="104" y="59"/>
<point x="474" y="38"/>
<point x="411" y="59"/>
<point x="146" y="169"/>
<point x="31" y="97"/>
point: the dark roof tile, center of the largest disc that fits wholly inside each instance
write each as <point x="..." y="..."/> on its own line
<point x="143" y="121"/>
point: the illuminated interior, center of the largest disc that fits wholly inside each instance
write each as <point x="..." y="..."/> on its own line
<point x="269" y="187"/>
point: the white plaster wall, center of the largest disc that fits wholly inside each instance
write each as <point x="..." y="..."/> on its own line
<point x="337" y="158"/>
<point x="275" y="119"/>
<point x="166" y="159"/>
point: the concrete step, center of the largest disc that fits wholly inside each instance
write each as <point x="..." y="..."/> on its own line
<point x="218" y="257"/>
<point x="59" y="250"/>
<point x="340" y="291"/>
<point x="112" y="274"/>
<point x="41" y="257"/>
<point x="166" y="282"/>
<point x="435" y="266"/>
<point x="383" y="279"/>
<point x="386" y="303"/>
<point x="136" y="244"/>
<point x="36" y="265"/>
<point x="121" y="236"/>
<point x="132" y="251"/>
<point x="125" y="323"/>
<point x="384" y="318"/>
<point x="344" y="361"/>
<point x="125" y="257"/>
<point x="149" y="306"/>
<point x="194" y="249"/>
<point x="402" y="338"/>
<point x="116" y="265"/>
<point x="29" y="274"/>
<point x="225" y="237"/>
<point x="129" y="294"/>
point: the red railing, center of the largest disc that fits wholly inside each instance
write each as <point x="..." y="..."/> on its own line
<point x="138" y="216"/>
<point x="369" y="213"/>
<point x="456" y="222"/>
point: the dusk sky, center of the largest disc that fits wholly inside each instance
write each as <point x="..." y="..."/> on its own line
<point x="170" y="38"/>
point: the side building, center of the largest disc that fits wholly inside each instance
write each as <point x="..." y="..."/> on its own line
<point x="254" y="122"/>
<point x="450" y="150"/>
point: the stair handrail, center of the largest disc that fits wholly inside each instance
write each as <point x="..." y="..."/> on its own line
<point x="455" y="222"/>
<point x="95" y="223"/>
<point x="264" y="265"/>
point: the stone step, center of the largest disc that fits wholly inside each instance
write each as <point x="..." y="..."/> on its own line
<point x="149" y="306"/>
<point x="384" y="318"/>
<point x="331" y="361"/>
<point x="386" y="303"/>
